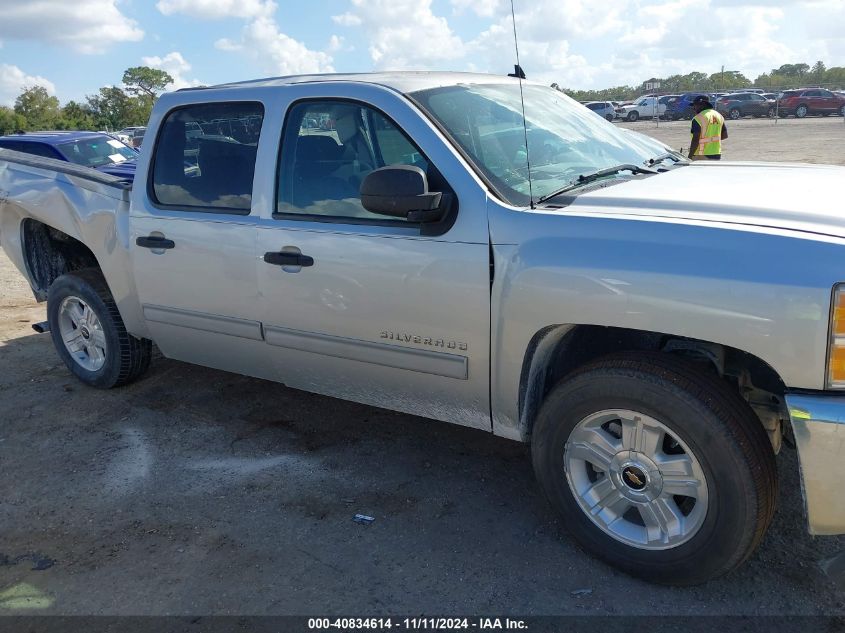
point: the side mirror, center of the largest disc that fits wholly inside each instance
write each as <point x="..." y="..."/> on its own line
<point x="401" y="191"/>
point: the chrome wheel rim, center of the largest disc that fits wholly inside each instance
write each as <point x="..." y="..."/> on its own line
<point x="635" y="479"/>
<point x="801" y="112"/>
<point x="82" y="333"/>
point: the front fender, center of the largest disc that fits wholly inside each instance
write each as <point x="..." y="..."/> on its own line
<point x="762" y="291"/>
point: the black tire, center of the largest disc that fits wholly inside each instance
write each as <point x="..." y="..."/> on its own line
<point x="126" y="357"/>
<point x="842" y="111"/>
<point x="707" y="415"/>
<point x="609" y="117"/>
<point x="771" y="113"/>
<point x="633" y="115"/>
<point x="735" y="113"/>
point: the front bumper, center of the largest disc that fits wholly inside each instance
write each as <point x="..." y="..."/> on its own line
<point x="818" y="423"/>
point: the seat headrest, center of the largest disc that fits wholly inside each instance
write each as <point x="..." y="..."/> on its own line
<point x="316" y="147"/>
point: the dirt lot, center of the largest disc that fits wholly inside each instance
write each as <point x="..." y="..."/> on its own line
<point x="811" y="140"/>
<point x="198" y="492"/>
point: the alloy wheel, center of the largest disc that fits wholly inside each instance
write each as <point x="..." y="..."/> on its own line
<point x="636" y="479"/>
<point x="82" y="333"/>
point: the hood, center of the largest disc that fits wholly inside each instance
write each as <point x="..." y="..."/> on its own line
<point x="125" y="170"/>
<point x="776" y="195"/>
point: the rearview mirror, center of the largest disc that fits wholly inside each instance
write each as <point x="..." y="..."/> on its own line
<point x="401" y="191"/>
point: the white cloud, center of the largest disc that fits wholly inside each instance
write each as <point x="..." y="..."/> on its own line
<point x="88" y="26"/>
<point x="481" y="8"/>
<point x="743" y="36"/>
<point x="216" y="9"/>
<point x="346" y="19"/>
<point x="336" y="44"/>
<point x="277" y="52"/>
<point x="13" y="80"/>
<point x="176" y="66"/>
<point x="404" y="33"/>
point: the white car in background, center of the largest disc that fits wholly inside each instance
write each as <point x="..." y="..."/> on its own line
<point x="604" y="109"/>
<point x="645" y="108"/>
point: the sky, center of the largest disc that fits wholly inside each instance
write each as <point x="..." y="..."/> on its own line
<point x="74" y="47"/>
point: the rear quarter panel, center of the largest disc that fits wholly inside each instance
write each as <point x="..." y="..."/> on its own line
<point x="88" y="209"/>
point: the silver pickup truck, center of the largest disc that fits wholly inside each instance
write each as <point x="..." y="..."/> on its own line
<point x="655" y="329"/>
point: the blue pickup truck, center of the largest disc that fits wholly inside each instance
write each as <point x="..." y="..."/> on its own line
<point x="89" y="149"/>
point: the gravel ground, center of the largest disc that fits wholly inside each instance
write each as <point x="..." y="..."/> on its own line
<point x="200" y="492"/>
<point x="810" y="140"/>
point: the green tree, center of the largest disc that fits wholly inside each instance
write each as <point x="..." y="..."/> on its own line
<point x="139" y="109"/>
<point x="10" y="121"/>
<point x="38" y="107"/>
<point x="110" y="108"/>
<point x="143" y="80"/>
<point x="835" y="77"/>
<point x="818" y="70"/>
<point x="729" y="80"/>
<point x="792" y="70"/>
<point x="76" y="116"/>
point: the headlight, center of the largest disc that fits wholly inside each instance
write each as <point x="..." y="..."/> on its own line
<point x="836" y="345"/>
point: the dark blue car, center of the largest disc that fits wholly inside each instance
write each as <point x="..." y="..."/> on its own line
<point x="681" y="108"/>
<point x="90" y="149"/>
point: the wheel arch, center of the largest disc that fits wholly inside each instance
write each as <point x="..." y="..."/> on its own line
<point x="557" y="350"/>
<point x="49" y="253"/>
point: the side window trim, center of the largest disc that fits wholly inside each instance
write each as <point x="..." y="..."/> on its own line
<point x="208" y="209"/>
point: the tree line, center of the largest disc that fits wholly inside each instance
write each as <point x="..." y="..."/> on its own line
<point x="783" y="78"/>
<point x="112" y="108"/>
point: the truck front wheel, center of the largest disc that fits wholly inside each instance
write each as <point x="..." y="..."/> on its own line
<point x="89" y="334"/>
<point x="657" y="466"/>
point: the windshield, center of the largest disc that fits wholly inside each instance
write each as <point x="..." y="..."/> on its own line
<point x="565" y="139"/>
<point x="96" y="151"/>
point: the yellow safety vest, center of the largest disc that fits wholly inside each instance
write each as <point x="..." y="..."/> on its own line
<point x="710" y="138"/>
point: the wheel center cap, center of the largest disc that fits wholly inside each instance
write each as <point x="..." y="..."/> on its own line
<point x="634" y="478"/>
<point x="85" y="333"/>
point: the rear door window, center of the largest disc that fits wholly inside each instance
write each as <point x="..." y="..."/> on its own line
<point x="205" y="157"/>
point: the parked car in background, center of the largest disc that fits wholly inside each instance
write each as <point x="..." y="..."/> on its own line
<point x="667" y="100"/>
<point x="811" y="101"/>
<point x="89" y="149"/>
<point x="740" y="104"/>
<point x="138" y="137"/>
<point x="126" y="133"/>
<point x="681" y="107"/>
<point x="604" y="109"/>
<point x="645" y="108"/>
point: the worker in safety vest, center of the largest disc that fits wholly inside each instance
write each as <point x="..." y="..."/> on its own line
<point x="708" y="131"/>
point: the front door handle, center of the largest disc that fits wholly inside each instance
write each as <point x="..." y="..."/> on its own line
<point x="288" y="259"/>
<point x="155" y="241"/>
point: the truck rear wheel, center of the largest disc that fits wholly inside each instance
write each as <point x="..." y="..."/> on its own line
<point x="89" y="334"/>
<point x="657" y="466"/>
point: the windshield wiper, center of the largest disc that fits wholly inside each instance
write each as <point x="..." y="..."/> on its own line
<point x="678" y="158"/>
<point x="583" y="179"/>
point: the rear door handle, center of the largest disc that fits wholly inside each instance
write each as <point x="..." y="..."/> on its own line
<point x="288" y="259"/>
<point x="154" y="241"/>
